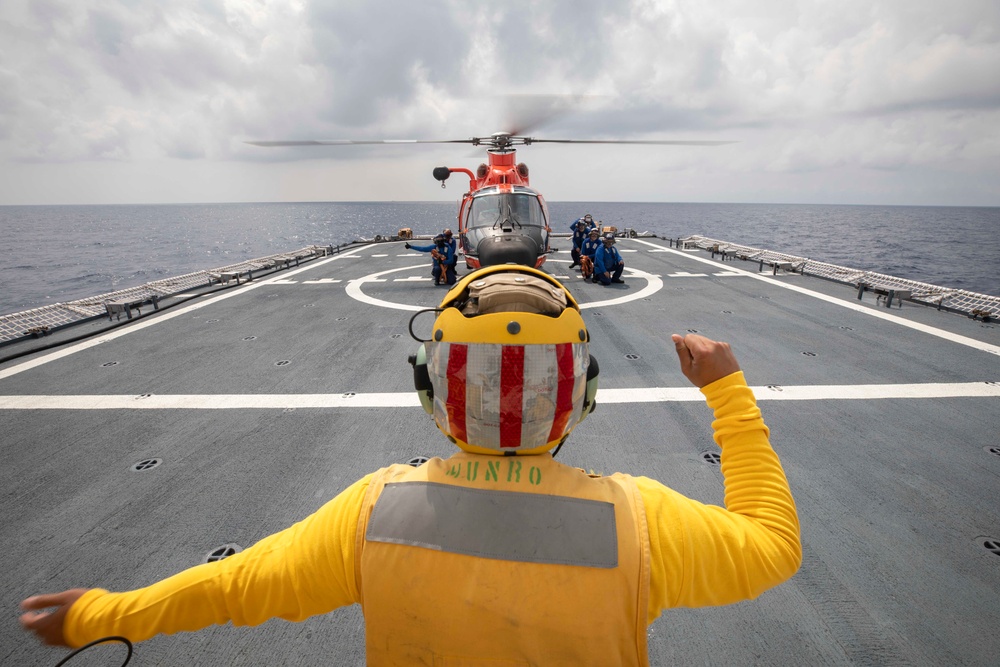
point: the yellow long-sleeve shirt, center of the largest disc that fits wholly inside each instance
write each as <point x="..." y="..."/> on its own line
<point x="700" y="555"/>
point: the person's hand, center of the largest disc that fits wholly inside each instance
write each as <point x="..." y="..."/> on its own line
<point x="407" y="246"/>
<point x="703" y="361"/>
<point x="48" y="625"/>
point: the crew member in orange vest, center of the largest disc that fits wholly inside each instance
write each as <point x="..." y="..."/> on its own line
<point x="499" y="553"/>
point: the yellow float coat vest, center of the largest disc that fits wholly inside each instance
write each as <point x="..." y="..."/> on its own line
<point x="486" y="560"/>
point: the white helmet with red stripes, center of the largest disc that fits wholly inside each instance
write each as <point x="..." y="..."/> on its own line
<point x="507" y="368"/>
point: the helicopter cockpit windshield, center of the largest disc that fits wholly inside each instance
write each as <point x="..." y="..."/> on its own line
<point x="517" y="213"/>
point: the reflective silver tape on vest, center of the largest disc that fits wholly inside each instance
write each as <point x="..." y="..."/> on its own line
<point x="502" y="525"/>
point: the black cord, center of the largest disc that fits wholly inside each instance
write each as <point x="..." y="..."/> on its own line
<point x="421" y="312"/>
<point x="103" y="640"/>
<point x="559" y="446"/>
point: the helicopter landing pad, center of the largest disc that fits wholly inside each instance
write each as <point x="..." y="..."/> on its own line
<point x="136" y="452"/>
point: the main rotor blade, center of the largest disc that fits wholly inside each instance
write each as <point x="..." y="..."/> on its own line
<point x="347" y="142"/>
<point x="499" y="141"/>
<point x="663" y="142"/>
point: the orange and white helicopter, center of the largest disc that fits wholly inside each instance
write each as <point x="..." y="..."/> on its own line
<point x="501" y="219"/>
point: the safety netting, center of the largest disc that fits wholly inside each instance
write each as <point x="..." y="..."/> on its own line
<point x="956" y="300"/>
<point x="40" y="321"/>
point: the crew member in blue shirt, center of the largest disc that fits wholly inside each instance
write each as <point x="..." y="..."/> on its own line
<point x="449" y="238"/>
<point x="580" y="228"/>
<point x="441" y="252"/>
<point x="608" y="262"/>
<point x="587" y="252"/>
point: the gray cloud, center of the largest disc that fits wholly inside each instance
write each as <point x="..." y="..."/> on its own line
<point x="377" y="67"/>
<point x="843" y="90"/>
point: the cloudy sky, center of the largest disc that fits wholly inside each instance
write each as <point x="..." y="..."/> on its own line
<point x="854" y="101"/>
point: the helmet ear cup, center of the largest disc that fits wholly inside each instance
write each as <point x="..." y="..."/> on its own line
<point x="422" y="380"/>
<point x="590" y="398"/>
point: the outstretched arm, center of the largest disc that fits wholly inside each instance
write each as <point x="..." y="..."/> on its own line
<point x="704" y="555"/>
<point x="304" y="570"/>
<point x="703" y="361"/>
<point x="45" y="614"/>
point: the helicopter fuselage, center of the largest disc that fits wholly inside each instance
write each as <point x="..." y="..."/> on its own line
<point x="501" y="220"/>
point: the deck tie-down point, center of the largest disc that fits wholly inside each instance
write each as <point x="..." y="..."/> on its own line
<point x="146" y="464"/>
<point x="225" y="551"/>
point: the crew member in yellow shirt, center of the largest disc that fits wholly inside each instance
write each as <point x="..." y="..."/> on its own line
<point x="498" y="553"/>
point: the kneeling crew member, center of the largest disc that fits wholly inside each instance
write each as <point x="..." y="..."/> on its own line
<point x="499" y="553"/>
<point x="587" y="252"/>
<point x="443" y="268"/>
<point x="608" y="262"/>
<point x="581" y="228"/>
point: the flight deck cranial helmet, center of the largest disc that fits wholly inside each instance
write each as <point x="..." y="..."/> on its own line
<point x="507" y="370"/>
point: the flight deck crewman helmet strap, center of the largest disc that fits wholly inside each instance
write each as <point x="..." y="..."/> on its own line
<point x="507" y="370"/>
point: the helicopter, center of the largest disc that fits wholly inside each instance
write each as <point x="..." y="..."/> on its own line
<point x="501" y="219"/>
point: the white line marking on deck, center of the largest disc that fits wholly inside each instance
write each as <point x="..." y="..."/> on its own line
<point x="409" y="398"/>
<point x="209" y="401"/>
<point x="857" y="307"/>
<point x="685" y="274"/>
<point x="321" y="281"/>
<point x="810" y="392"/>
<point x="163" y="317"/>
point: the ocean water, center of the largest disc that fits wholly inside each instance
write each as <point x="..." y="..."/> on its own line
<point x="55" y="254"/>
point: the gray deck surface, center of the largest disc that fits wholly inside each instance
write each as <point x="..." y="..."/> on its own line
<point x="896" y="495"/>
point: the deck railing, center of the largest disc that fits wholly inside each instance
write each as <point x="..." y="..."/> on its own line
<point x="973" y="304"/>
<point x="43" y="320"/>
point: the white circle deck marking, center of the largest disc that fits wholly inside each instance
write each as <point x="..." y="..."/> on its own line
<point x="653" y="284"/>
<point x="354" y="288"/>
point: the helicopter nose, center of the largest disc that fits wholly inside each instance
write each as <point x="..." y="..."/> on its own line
<point x="507" y="250"/>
